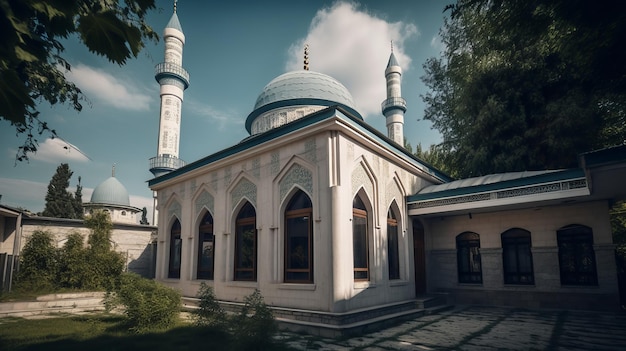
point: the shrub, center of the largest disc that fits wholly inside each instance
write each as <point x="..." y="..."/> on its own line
<point x="255" y="326"/>
<point x="209" y="312"/>
<point x="38" y="264"/>
<point x="147" y="304"/>
<point x="73" y="262"/>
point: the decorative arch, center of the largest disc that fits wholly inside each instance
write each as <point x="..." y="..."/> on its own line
<point x="243" y="189"/>
<point x="362" y="236"/>
<point x="394" y="230"/>
<point x="205" y="245"/>
<point x="395" y="191"/>
<point x="363" y="180"/>
<point x="204" y="199"/>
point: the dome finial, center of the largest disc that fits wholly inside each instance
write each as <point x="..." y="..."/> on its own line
<point x="306" y="57"/>
<point x="175" y="1"/>
<point x="113" y="170"/>
<point x="392" y="46"/>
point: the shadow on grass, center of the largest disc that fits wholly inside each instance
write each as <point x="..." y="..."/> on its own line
<point x="111" y="333"/>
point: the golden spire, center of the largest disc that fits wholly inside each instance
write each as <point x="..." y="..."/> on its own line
<point x="306" y="57"/>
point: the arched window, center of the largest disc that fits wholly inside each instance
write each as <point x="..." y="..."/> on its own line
<point x="176" y="246"/>
<point x="577" y="260"/>
<point x="393" y="254"/>
<point x="468" y="258"/>
<point x="360" y="243"/>
<point x="206" y="248"/>
<point x="299" y="239"/>
<point x="245" y="244"/>
<point x="517" y="259"/>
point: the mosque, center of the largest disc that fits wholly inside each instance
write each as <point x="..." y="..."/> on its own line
<point x="337" y="225"/>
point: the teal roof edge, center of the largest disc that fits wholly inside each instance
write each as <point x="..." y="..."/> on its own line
<point x="538" y="179"/>
<point x="313" y="118"/>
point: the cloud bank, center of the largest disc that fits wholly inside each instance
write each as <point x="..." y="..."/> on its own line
<point x="111" y="91"/>
<point x="353" y="47"/>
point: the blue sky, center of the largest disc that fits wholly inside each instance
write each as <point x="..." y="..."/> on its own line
<point x="233" y="49"/>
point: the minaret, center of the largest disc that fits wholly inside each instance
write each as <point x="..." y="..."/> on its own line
<point x="394" y="106"/>
<point x="173" y="80"/>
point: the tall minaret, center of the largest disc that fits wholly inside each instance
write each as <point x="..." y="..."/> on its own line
<point x="173" y="80"/>
<point x="394" y="106"/>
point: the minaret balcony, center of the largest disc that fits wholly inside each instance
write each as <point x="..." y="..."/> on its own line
<point x="393" y="103"/>
<point x="165" y="163"/>
<point x="168" y="69"/>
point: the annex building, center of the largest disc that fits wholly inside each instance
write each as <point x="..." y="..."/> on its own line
<point x="336" y="223"/>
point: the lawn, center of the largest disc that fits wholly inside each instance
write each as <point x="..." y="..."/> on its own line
<point x="106" y="332"/>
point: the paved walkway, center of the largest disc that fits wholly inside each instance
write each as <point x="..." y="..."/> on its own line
<point x="486" y="328"/>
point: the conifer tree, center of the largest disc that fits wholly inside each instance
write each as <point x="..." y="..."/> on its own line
<point x="78" y="201"/>
<point x="59" y="201"/>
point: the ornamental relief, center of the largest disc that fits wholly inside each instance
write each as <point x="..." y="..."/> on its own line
<point x="244" y="188"/>
<point x="278" y="117"/>
<point x="175" y="210"/>
<point x="297" y="175"/>
<point x="361" y="178"/>
<point x="205" y="200"/>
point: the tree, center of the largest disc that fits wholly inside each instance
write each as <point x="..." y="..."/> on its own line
<point x="60" y="203"/>
<point x="78" y="200"/>
<point x="31" y="63"/>
<point x="38" y="264"/>
<point x="105" y="265"/>
<point x="525" y="85"/>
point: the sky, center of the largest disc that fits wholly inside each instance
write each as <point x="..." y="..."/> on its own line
<point x="232" y="50"/>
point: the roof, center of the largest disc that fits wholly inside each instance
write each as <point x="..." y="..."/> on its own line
<point x="174" y="23"/>
<point x="110" y="192"/>
<point x="300" y="88"/>
<point x="332" y="112"/>
<point x="392" y="61"/>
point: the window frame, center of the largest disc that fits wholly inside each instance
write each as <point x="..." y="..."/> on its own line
<point x="520" y="241"/>
<point x="293" y="210"/>
<point x="173" y="271"/>
<point x="573" y="240"/>
<point x="360" y="213"/>
<point x="393" y="245"/>
<point x="240" y="223"/>
<point x="205" y="231"/>
<point x="469" y="275"/>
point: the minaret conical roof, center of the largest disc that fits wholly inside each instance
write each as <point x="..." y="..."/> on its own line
<point x="392" y="61"/>
<point x="174" y="23"/>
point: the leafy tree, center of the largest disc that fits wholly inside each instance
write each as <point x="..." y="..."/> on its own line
<point x="73" y="262"/>
<point x="528" y="84"/>
<point x="105" y="265"/>
<point x="38" y="264"/>
<point x="78" y="201"/>
<point x="31" y="63"/>
<point x="439" y="157"/>
<point x="60" y="203"/>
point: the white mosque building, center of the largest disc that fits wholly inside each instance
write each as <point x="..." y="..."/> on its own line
<point x="338" y="226"/>
<point x="112" y="197"/>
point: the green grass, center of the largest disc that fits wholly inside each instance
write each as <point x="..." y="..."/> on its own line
<point x="106" y="332"/>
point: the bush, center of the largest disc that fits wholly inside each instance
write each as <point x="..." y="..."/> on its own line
<point x="73" y="262"/>
<point x="147" y="304"/>
<point x="255" y="326"/>
<point x="209" y="312"/>
<point x="38" y="264"/>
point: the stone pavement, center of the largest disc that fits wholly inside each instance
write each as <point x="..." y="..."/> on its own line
<point x="486" y="328"/>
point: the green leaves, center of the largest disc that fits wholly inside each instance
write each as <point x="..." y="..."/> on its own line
<point x="30" y="52"/>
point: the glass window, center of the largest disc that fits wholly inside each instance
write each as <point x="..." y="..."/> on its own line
<point x="517" y="259"/>
<point x="245" y="244"/>
<point x="206" y="248"/>
<point x="360" y="243"/>
<point x="299" y="239"/>
<point x="577" y="259"/>
<point x="392" y="245"/>
<point x="176" y="245"/>
<point x="468" y="258"/>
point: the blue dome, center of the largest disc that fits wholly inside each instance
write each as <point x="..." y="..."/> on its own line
<point x="110" y="192"/>
<point x="301" y="88"/>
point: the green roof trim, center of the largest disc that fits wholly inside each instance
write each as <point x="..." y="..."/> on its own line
<point x="550" y="177"/>
<point x="319" y="116"/>
<point x="611" y="155"/>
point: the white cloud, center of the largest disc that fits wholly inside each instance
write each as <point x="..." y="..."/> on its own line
<point x="104" y="87"/>
<point x="56" y="150"/>
<point x="353" y="47"/>
<point x="222" y="118"/>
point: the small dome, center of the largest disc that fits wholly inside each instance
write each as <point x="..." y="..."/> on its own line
<point x="110" y="192"/>
<point x="299" y="89"/>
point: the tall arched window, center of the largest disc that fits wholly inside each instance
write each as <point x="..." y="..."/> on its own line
<point x="176" y="246"/>
<point x="393" y="254"/>
<point x="577" y="259"/>
<point x="468" y="258"/>
<point x="206" y="248"/>
<point x="245" y="244"/>
<point x="360" y="243"/>
<point x="517" y="259"/>
<point x="299" y="239"/>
